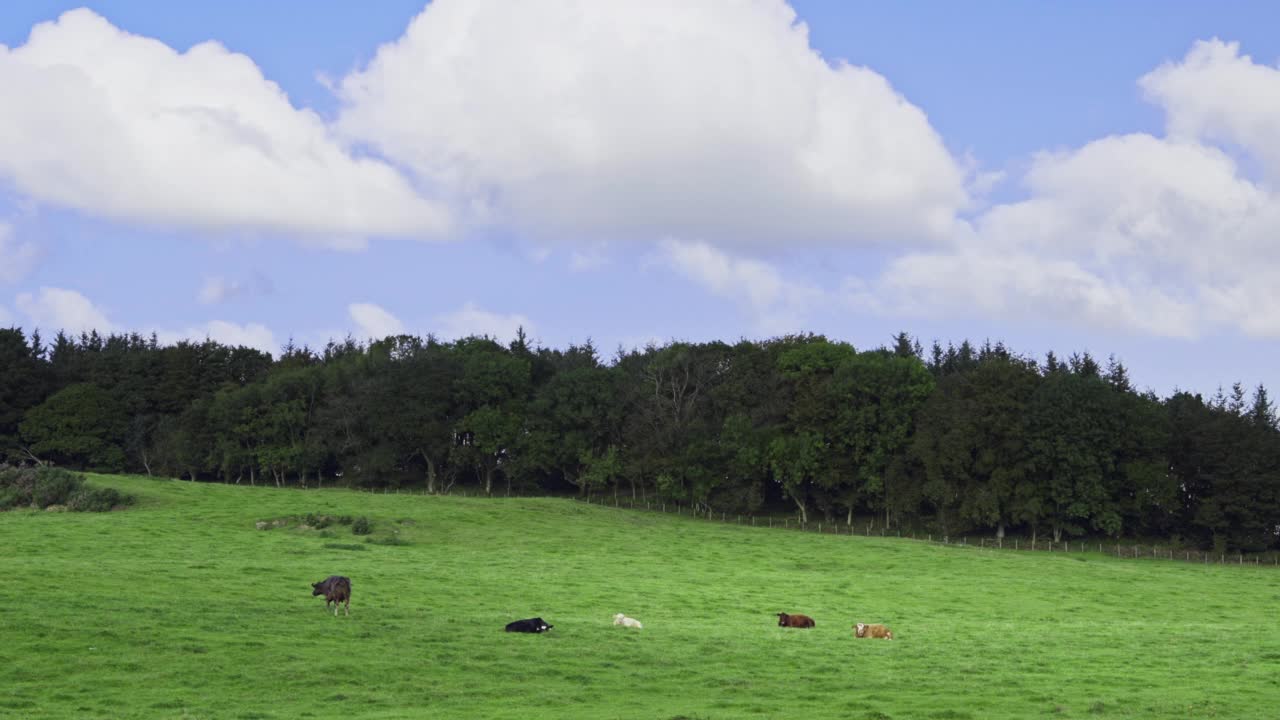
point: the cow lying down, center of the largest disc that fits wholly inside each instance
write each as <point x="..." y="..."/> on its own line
<point x="863" y="630"/>
<point x="795" y="621"/>
<point x="625" y="621"/>
<point x="532" y="625"/>
<point x="336" y="589"/>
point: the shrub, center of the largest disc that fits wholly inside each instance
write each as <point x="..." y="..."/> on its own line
<point x="318" y="522"/>
<point x="97" y="500"/>
<point x="344" y="520"/>
<point x="10" y="498"/>
<point x="42" y="487"/>
<point x="361" y="526"/>
<point x="55" y="486"/>
<point x="20" y="480"/>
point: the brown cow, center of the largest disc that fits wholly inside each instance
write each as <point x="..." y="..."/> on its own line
<point x="336" y="589"/>
<point x="872" y="631"/>
<point x="795" y="621"/>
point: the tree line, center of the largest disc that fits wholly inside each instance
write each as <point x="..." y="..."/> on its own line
<point x="960" y="439"/>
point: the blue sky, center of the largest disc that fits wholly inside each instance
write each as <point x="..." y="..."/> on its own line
<point x="1066" y="176"/>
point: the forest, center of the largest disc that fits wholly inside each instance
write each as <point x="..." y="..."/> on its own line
<point x="956" y="439"/>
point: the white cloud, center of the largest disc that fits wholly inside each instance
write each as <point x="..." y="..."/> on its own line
<point x="1164" y="236"/>
<point x="6" y="318"/>
<point x="16" y="257"/>
<point x="122" y="126"/>
<point x="472" y="320"/>
<point x="1026" y="287"/>
<point x="1219" y="95"/>
<point x="60" y="309"/>
<point x="372" y="322"/>
<point x="652" y="118"/>
<point x="588" y="259"/>
<point x="218" y="289"/>
<point x="253" y="335"/>
<point x="777" y="305"/>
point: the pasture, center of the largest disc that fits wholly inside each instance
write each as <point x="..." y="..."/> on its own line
<point x="181" y="608"/>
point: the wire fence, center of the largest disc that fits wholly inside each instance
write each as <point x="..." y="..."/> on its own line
<point x="863" y="529"/>
<point x="1012" y="544"/>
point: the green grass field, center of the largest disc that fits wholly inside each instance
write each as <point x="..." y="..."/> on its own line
<point x="180" y="607"/>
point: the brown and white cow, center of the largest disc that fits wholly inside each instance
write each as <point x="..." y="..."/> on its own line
<point x="863" y="630"/>
<point x="795" y="621"/>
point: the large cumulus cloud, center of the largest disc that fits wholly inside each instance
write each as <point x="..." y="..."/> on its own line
<point x="710" y="121"/>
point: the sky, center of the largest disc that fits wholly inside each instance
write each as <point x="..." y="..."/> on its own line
<point x="1065" y="176"/>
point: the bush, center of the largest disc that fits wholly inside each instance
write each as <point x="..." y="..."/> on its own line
<point x="44" y="486"/>
<point x="97" y="500"/>
<point x="318" y="522"/>
<point x="55" y="486"/>
<point x="10" y="498"/>
<point x="20" y="480"/>
<point x="361" y="526"/>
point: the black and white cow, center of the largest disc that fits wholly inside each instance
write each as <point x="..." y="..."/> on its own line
<point x="532" y="625"/>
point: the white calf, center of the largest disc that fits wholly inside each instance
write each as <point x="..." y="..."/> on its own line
<point x="625" y="621"/>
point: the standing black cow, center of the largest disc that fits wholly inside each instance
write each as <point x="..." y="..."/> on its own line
<point x="532" y="625"/>
<point x="336" y="589"/>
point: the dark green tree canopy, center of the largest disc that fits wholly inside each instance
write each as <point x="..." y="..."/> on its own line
<point x="970" y="438"/>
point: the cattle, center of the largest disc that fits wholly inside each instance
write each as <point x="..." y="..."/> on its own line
<point x="625" y="621"/>
<point x="863" y="630"/>
<point x="795" y="621"/>
<point x="336" y="589"/>
<point x="532" y="625"/>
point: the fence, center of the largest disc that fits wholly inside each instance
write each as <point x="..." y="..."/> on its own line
<point x="1121" y="550"/>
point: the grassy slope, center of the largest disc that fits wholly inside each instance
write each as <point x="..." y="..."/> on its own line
<point x="179" y="607"/>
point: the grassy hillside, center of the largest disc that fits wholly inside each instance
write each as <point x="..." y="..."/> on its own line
<point x="181" y="607"/>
